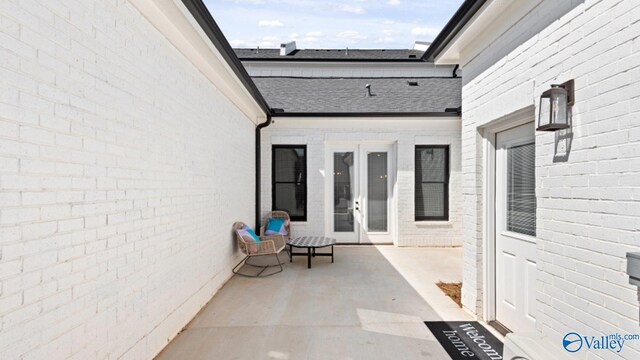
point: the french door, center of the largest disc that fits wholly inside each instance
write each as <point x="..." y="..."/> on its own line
<point x="360" y="187"/>
<point x="515" y="228"/>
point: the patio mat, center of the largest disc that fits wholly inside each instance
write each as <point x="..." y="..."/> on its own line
<point x="466" y="340"/>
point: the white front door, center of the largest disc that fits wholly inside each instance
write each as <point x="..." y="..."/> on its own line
<point x="515" y="216"/>
<point x="360" y="184"/>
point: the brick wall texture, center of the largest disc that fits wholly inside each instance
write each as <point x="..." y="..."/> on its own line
<point x="588" y="197"/>
<point x="122" y="169"/>
<point x="404" y="134"/>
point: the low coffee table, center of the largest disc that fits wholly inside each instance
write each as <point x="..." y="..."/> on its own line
<point x="311" y="243"/>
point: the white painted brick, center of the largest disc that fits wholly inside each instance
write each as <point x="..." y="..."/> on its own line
<point x="316" y="136"/>
<point x="83" y="106"/>
<point x="587" y="205"/>
<point x="19" y="215"/>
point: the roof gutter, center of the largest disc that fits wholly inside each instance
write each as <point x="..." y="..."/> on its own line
<point x="466" y="11"/>
<point x="200" y="13"/>
<point x="336" y="60"/>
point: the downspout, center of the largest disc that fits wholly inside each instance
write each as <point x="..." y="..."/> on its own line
<point x="259" y="168"/>
<point x="455" y="71"/>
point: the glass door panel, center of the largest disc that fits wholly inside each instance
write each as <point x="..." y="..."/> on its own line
<point x="343" y="192"/>
<point x="377" y="201"/>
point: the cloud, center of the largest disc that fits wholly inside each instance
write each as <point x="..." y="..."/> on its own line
<point x="253" y="2"/>
<point x="270" y="23"/>
<point x="393" y="2"/>
<point x="316" y="24"/>
<point x="351" y="35"/>
<point x="419" y="31"/>
<point x="237" y="43"/>
<point x="267" y="44"/>
<point x="385" y="40"/>
<point x="354" y="9"/>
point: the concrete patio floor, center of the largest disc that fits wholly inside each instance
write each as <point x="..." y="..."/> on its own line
<point x="369" y="304"/>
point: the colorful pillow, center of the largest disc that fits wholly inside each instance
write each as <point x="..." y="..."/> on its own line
<point x="276" y="227"/>
<point x="251" y="233"/>
<point x="250" y="238"/>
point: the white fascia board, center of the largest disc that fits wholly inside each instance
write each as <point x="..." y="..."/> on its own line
<point x="173" y="20"/>
<point x="341" y="64"/>
<point x="391" y="123"/>
<point x="495" y="18"/>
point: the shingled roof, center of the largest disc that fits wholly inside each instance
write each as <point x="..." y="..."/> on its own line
<point x="349" y="95"/>
<point x="391" y="55"/>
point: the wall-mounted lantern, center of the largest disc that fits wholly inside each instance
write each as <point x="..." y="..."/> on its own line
<point x="555" y="105"/>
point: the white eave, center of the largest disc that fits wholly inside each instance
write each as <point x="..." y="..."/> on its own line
<point x="492" y="20"/>
<point x="173" y="20"/>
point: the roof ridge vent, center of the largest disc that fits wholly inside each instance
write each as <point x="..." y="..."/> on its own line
<point x="287" y="48"/>
<point x="368" y="87"/>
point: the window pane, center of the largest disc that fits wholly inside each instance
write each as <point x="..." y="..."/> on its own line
<point x="431" y="164"/>
<point x="343" y="173"/>
<point x="377" y="191"/>
<point x="290" y="197"/>
<point x="289" y="165"/>
<point x="521" y="189"/>
<point x="430" y="199"/>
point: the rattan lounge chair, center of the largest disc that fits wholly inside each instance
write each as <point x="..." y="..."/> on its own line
<point x="277" y="214"/>
<point x="268" y="245"/>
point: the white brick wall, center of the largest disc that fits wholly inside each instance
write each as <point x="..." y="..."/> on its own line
<point x="115" y="201"/>
<point x="405" y="133"/>
<point x="588" y="206"/>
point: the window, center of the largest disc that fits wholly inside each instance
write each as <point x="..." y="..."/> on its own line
<point x="289" y="180"/>
<point x="521" y="189"/>
<point x="432" y="182"/>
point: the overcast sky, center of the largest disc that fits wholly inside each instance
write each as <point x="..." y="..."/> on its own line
<point x="370" y="24"/>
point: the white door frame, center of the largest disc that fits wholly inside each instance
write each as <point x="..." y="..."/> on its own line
<point x="360" y="148"/>
<point x="489" y="132"/>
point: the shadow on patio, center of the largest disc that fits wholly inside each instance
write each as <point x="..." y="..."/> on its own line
<point x="369" y="304"/>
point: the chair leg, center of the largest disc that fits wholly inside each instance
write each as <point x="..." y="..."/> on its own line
<point x="262" y="267"/>
<point x="235" y="268"/>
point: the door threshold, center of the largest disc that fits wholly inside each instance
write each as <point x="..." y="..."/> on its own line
<point x="503" y="330"/>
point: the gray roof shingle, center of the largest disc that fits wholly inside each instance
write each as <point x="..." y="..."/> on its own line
<point x="332" y="55"/>
<point x="348" y="95"/>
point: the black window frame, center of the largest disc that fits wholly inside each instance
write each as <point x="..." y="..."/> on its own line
<point x="445" y="217"/>
<point x="274" y="182"/>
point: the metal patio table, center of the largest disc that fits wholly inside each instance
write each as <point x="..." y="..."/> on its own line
<point x="311" y="243"/>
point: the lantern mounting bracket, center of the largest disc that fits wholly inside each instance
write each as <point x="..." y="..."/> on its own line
<point x="570" y="96"/>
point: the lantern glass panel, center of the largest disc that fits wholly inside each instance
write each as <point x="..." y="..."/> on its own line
<point x="544" y="117"/>
<point x="559" y="108"/>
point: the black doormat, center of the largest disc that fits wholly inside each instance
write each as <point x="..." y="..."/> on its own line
<point x="466" y="340"/>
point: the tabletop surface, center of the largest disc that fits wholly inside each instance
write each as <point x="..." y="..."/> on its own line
<point x="311" y="241"/>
